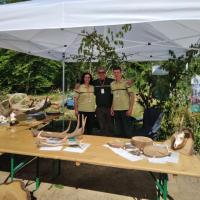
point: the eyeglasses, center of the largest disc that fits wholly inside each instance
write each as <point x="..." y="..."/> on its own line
<point x="101" y="72"/>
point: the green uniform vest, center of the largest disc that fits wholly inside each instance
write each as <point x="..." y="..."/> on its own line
<point x="120" y="92"/>
<point x="86" y="98"/>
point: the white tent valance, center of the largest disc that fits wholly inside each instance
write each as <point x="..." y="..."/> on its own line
<point x="50" y="28"/>
<point x="53" y="14"/>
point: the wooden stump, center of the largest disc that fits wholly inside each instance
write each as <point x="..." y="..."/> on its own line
<point x="141" y="141"/>
<point x="14" y="191"/>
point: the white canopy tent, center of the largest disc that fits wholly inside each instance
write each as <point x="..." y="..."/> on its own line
<point x="52" y="29"/>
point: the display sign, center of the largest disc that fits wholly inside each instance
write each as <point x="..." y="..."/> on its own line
<point x="195" y="97"/>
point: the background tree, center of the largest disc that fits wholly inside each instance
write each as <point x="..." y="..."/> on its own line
<point x="97" y="49"/>
<point x="25" y="73"/>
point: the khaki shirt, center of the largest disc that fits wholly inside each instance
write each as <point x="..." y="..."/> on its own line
<point x="86" y="98"/>
<point x="120" y="90"/>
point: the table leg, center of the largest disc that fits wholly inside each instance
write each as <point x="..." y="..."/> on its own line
<point x="14" y="169"/>
<point x="12" y="164"/>
<point x="37" y="181"/>
<point x="56" y="168"/>
<point x="161" y="185"/>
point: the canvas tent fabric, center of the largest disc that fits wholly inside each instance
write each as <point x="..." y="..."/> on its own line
<point x="48" y="14"/>
<point x="53" y="28"/>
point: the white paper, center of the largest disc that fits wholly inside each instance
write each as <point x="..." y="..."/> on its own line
<point x="123" y="153"/>
<point x="157" y="160"/>
<point x="77" y="149"/>
<point x="57" y="148"/>
<point x="173" y="158"/>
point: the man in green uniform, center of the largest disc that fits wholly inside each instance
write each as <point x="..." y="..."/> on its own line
<point x="122" y="105"/>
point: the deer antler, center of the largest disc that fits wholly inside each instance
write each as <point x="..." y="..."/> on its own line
<point x="57" y="134"/>
<point x="78" y="131"/>
<point x="43" y="140"/>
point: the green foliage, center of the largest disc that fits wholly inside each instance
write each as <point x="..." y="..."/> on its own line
<point x="192" y="121"/>
<point x="10" y="1"/>
<point x="177" y="106"/>
<point x="95" y="47"/>
<point x="150" y="89"/>
<point x="174" y="109"/>
<point x="73" y="72"/>
<point x="25" y="73"/>
<point x="170" y="93"/>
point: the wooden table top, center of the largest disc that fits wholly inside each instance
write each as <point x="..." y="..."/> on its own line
<point x="18" y="140"/>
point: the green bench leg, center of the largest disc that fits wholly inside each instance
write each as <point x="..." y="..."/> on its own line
<point x="161" y="186"/>
<point x="14" y="169"/>
<point x="12" y="164"/>
<point x="37" y="181"/>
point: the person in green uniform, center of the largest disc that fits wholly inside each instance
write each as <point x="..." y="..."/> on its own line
<point x="122" y="105"/>
<point x="84" y="101"/>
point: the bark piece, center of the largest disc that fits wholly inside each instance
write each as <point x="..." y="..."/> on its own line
<point x="14" y="191"/>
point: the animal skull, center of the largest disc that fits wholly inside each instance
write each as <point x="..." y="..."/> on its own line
<point x="179" y="139"/>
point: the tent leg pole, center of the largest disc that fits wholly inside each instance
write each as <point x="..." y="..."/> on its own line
<point x="63" y="90"/>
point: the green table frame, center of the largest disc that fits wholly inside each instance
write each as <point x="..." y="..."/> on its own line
<point x="161" y="180"/>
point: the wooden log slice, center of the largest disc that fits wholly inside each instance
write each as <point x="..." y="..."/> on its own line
<point x="116" y="144"/>
<point x="141" y="141"/>
<point x="14" y="191"/>
<point x="155" y="151"/>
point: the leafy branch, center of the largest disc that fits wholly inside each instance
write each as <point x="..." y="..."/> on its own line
<point x="101" y="48"/>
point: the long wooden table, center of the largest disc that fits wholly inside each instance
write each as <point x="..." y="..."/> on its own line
<point x="19" y="140"/>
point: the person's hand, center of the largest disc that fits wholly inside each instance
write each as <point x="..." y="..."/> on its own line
<point x="129" y="82"/>
<point x="128" y="112"/>
<point x="111" y="112"/>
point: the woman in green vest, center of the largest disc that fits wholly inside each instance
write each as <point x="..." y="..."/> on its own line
<point x="85" y="101"/>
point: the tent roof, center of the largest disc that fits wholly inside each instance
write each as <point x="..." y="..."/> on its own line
<point x="50" y="28"/>
<point x="48" y="14"/>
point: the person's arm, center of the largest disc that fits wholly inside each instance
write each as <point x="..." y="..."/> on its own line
<point x="76" y="105"/>
<point x="111" y="109"/>
<point x="76" y="96"/>
<point x="131" y="103"/>
<point x="77" y="86"/>
<point x="129" y="82"/>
